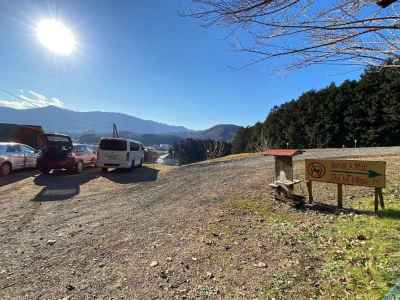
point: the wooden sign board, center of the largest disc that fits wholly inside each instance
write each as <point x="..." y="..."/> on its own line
<point x="348" y="172"/>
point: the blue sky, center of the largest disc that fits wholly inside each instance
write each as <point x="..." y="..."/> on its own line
<point x="143" y="59"/>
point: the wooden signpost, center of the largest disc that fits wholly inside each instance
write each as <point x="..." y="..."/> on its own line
<point x="348" y="172"/>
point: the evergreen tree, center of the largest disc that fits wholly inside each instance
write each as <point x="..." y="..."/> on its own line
<point x="365" y="110"/>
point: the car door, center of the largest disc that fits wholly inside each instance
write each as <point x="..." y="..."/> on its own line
<point x="16" y="156"/>
<point x="77" y="152"/>
<point x="30" y="157"/>
<point x="81" y="153"/>
<point x="141" y="153"/>
<point x="85" y="155"/>
<point x="91" y="157"/>
<point x="134" y="153"/>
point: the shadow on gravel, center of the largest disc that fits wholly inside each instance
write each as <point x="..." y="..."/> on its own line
<point x="390" y="214"/>
<point x="121" y="176"/>
<point x="17" y="176"/>
<point x="334" y="210"/>
<point x="60" y="186"/>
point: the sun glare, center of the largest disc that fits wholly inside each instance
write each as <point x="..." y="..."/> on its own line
<point x="56" y="37"/>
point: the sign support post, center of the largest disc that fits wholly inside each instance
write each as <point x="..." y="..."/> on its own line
<point x="379" y="199"/>
<point x="310" y="195"/>
<point x="376" y="199"/>
<point x="340" y="195"/>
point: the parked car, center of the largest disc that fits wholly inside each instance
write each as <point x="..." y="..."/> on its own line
<point x="14" y="156"/>
<point x="92" y="148"/>
<point x="119" y="153"/>
<point x="85" y="154"/>
<point x="57" y="154"/>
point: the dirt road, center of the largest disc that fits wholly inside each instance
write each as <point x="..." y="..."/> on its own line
<point x="140" y="235"/>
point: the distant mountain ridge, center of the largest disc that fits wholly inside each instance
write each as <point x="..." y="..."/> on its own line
<point x="96" y="123"/>
<point x="57" y="119"/>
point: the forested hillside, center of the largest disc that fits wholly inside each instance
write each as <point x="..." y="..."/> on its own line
<point x="222" y="132"/>
<point x="190" y="150"/>
<point x="365" y="111"/>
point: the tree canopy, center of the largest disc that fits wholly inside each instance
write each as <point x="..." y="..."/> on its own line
<point x="365" y="111"/>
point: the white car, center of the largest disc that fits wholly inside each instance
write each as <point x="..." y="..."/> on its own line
<point x="119" y="153"/>
<point x="14" y="156"/>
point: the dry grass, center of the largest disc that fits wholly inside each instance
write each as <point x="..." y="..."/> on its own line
<point x="160" y="167"/>
<point x="234" y="157"/>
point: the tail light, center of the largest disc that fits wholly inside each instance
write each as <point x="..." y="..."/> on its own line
<point x="127" y="156"/>
<point x="98" y="154"/>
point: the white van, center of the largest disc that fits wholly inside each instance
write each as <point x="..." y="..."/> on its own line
<point x="119" y="153"/>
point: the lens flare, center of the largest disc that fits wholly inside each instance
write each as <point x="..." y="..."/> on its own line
<point x="56" y="37"/>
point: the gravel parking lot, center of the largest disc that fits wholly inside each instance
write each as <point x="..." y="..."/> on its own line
<point x="131" y="235"/>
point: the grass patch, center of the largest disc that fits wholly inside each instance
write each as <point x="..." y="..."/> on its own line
<point x="364" y="261"/>
<point x="353" y="256"/>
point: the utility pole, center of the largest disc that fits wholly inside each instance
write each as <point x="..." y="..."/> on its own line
<point x="115" y="131"/>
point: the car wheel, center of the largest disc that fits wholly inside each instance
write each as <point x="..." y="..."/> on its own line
<point x="79" y="167"/>
<point x="5" y="169"/>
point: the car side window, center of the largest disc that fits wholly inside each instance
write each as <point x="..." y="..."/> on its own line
<point x="13" y="149"/>
<point x="134" y="146"/>
<point x="28" y="150"/>
<point x="86" y="150"/>
<point x="78" y="149"/>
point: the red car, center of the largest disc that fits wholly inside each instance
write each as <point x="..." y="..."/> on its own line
<point x="57" y="154"/>
<point x="85" y="154"/>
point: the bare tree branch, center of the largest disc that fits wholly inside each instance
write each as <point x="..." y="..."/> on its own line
<point x="357" y="32"/>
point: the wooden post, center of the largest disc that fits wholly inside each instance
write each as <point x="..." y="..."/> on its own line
<point x="381" y="199"/>
<point x="376" y="199"/>
<point x="309" y="188"/>
<point x="340" y="195"/>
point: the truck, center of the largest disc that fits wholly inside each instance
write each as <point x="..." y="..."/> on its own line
<point x="31" y="135"/>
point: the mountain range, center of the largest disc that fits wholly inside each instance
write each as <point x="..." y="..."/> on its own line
<point x="56" y="119"/>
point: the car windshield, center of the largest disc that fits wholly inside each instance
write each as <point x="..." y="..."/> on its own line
<point x="112" y="144"/>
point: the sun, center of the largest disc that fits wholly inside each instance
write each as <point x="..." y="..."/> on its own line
<point x="56" y="37"/>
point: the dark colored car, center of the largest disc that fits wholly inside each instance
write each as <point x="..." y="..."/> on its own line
<point x="57" y="154"/>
